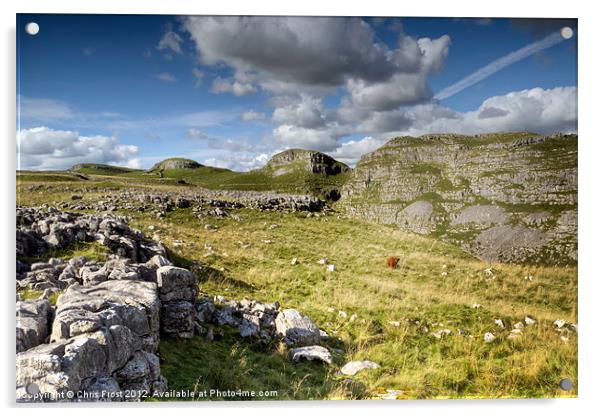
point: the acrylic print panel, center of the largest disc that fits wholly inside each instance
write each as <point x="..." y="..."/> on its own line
<point x="293" y="208"/>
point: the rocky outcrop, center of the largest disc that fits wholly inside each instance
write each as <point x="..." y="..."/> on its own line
<point x="175" y="163"/>
<point x="102" y="342"/>
<point x="57" y="274"/>
<point x="204" y="202"/>
<point x="260" y="321"/>
<point x="33" y="319"/>
<point x="299" y="160"/>
<point x="255" y="320"/>
<point x="459" y="187"/>
<point x="297" y="329"/>
<point x="134" y="304"/>
<point x="40" y="229"/>
<point x="177" y="291"/>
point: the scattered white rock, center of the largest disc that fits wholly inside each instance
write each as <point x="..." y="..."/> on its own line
<point x="500" y="323"/>
<point x="443" y="274"/>
<point x="514" y="334"/>
<point x="210" y="227"/>
<point x="353" y="367"/>
<point x="441" y="332"/>
<point x="311" y="353"/>
<point x="331" y="268"/>
<point x="273" y="226"/>
<point x="559" y="323"/>
<point x="529" y="277"/>
<point x="178" y="243"/>
<point x="323" y="261"/>
<point x="343" y="314"/>
<point x="151" y="227"/>
<point x="529" y="320"/>
<point x="267" y="241"/>
<point x="488" y="271"/>
<point x="564" y="338"/>
<point x="519" y="325"/>
<point x="390" y="395"/>
<point x="396" y="324"/>
<point x="352" y="317"/>
<point x="294" y="261"/>
<point x="489" y="337"/>
<point x="324" y="335"/>
<point x="475" y="306"/>
<point x="330" y="309"/>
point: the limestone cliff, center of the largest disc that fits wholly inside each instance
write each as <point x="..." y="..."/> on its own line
<point x="503" y="196"/>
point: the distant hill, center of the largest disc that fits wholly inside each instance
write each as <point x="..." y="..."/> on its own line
<point x="175" y="163"/>
<point x="292" y="171"/>
<point x="100" y="169"/>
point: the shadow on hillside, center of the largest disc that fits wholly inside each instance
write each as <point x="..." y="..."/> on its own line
<point x="208" y="273"/>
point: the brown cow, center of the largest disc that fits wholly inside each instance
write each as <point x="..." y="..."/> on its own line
<point x="392" y="262"/>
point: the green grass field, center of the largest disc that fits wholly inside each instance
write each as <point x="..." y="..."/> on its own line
<point x="395" y="312"/>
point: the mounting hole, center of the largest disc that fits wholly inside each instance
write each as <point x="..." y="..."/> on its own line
<point x="566" y="32"/>
<point x="566" y="384"/>
<point x="32" y="28"/>
<point x="32" y="388"/>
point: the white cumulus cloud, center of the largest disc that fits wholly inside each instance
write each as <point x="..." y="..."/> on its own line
<point x="171" y="42"/>
<point x="166" y="76"/>
<point x="252" y="115"/>
<point x="308" y="112"/>
<point x="537" y="109"/>
<point x="350" y="152"/>
<point x="42" y="148"/>
<point x="239" y="163"/>
<point x="237" y="88"/>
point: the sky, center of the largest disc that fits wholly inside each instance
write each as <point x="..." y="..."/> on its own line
<point x="231" y="91"/>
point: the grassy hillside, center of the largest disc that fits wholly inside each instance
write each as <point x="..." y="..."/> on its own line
<point x="390" y="316"/>
<point x="100" y="169"/>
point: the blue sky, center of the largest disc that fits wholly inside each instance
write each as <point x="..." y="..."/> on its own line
<point x="232" y="91"/>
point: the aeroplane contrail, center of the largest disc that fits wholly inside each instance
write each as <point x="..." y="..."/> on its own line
<point x="501" y="63"/>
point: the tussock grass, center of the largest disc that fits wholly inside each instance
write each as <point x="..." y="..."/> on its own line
<point x="411" y="360"/>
